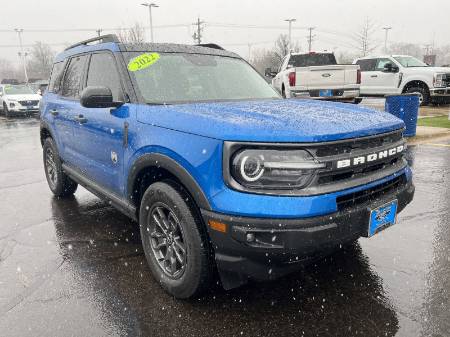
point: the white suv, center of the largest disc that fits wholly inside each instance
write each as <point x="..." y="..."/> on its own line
<point x="397" y="74"/>
<point x="18" y="99"/>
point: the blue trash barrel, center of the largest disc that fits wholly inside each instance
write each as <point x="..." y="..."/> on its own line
<point x="405" y="107"/>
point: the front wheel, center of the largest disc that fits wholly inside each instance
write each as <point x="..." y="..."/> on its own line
<point x="174" y="240"/>
<point x="5" y="110"/>
<point x="357" y="100"/>
<point x="423" y="93"/>
<point x="60" y="184"/>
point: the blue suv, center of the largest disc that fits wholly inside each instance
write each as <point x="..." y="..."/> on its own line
<point x="220" y="172"/>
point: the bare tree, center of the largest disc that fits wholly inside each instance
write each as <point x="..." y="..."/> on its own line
<point x="8" y="70"/>
<point x="134" y="34"/>
<point x="364" y="38"/>
<point x="263" y="59"/>
<point x="282" y="47"/>
<point x="406" y="49"/>
<point x="41" y="61"/>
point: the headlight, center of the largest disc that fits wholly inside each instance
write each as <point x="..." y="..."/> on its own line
<point x="439" y="80"/>
<point x="273" y="169"/>
<point x="11" y="100"/>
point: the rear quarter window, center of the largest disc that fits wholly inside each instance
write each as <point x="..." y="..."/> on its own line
<point x="55" y="77"/>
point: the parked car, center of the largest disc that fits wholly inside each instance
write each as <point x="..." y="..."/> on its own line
<point x="18" y="99"/>
<point x="397" y="74"/>
<point x="218" y="170"/>
<point x="318" y="76"/>
<point x="10" y="81"/>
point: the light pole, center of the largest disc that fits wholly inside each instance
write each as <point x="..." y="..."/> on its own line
<point x="290" y="31"/>
<point x="386" y="30"/>
<point x="22" y="54"/>
<point x="150" y="5"/>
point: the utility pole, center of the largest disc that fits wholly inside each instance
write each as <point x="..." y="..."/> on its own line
<point x="99" y="31"/>
<point x="310" y="38"/>
<point x="386" y="31"/>
<point x="249" y="52"/>
<point x="150" y="5"/>
<point x="290" y="32"/>
<point x="22" y="54"/>
<point x="197" y="36"/>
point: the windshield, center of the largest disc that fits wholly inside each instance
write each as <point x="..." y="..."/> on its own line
<point x="409" y="61"/>
<point x="309" y="60"/>
<point x="183" y="78"/>
<point x="18" y="90"/>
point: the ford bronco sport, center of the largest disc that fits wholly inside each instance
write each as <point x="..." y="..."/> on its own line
<point x="219" y="171"/>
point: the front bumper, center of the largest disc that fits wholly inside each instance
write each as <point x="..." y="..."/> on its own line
<point x="280" y="246"/>
<point x="440" y="92"/>
<point x="337" y="94"/>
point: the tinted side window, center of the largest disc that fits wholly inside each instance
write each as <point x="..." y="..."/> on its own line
<point x="73" y="76"/>
<point x="381" y="63"/>
<point x="367" y="65"/>
<point x="55" y="77"/>
<point x="103" y="72"/>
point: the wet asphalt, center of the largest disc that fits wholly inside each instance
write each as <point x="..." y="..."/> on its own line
<point x="75" y="267"/>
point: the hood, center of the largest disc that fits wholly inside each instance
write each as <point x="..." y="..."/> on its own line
<point x="290" y="120"/>
<point x="431" y="69"/>
<point x="24" y="97"/>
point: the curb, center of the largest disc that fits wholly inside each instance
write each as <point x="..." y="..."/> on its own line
<point x="419" y="138"/>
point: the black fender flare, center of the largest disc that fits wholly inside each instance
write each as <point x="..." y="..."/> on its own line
<point x="172" y="166"/>
<point x="45" y="126"/>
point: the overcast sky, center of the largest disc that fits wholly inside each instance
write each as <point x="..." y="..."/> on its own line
<point x="335" y="20"/>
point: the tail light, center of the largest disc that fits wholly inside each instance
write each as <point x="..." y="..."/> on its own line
<point x="358" y="76"/>
<point x="292" y="79"/>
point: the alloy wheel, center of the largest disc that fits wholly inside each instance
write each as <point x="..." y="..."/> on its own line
<point x="50" y="167"/>
<point x="167" y="240"/>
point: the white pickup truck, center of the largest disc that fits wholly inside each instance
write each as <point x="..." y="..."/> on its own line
<point x="318" y="76"/>
<point x="397" y="74"/>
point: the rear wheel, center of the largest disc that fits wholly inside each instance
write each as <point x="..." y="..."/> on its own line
<point x="60" y="184"/>
<point x="424" y="95"/>
<point x="357" y="100"/>
<point x="283" y="92"/>
<point x="174" y="240"/>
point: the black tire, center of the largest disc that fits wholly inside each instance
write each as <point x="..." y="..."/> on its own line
<point x="60" y="184"/>
<point x="423" y="93"/>
<point x="357" y="100"/>
<point x="5" y="110"/>
<point x="194" y="277"/>
<point x="283" y="92"/>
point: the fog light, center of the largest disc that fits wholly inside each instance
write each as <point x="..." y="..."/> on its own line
<point x="250" y="237"/>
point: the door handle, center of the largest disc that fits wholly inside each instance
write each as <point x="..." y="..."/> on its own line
<point x="81" y="119"/>
<point x="54" y="112"/>
<point x="374" y="76"/>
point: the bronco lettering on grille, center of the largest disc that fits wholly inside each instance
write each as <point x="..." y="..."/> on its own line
<point x="360" y="160"/>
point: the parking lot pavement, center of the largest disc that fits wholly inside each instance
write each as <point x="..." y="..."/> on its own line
<point x="426" y="111"/>
<point x="75" y="267"/>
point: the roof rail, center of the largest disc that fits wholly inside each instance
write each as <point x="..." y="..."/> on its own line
<point x="100" y="39"/>
<point x="210" y="45"/>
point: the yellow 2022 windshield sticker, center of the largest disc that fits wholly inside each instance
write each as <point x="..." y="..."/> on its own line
<point x="142" y="61"/>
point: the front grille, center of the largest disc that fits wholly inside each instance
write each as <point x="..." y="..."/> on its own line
<point x="347" y="147"/>
<point x="331" y="153"/>
<point x="29" y="103"/>
<point x="374" y="193"/>
<point x="447" y="80"/>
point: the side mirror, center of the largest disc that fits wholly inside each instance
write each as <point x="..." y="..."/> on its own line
<point x="390" y="68"/>
<point x="270" y="73"/>
<point x="98" y="97"/>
